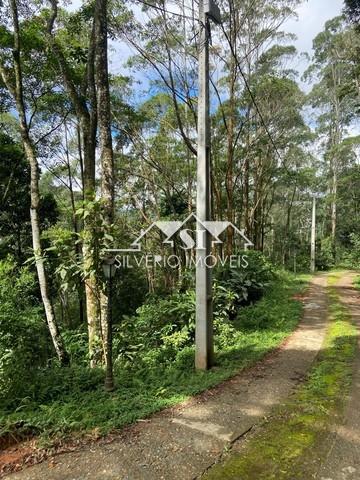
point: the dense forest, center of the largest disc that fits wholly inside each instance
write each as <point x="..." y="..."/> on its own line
<point x="97" y="143"/>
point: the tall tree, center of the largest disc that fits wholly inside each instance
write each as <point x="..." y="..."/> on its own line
<point x="81" y="88"/>
<point x="12" y="75"/>
<point x="106" y="157"/>
<point x="335" y="108"/>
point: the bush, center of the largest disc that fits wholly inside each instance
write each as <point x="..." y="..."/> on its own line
<point x="163" y="327"/>
<point x="249" y="282"/>
<point x="325" y="255"/>
<point x="24" y="342"/>
<point x="77" y="345"/>
<point x="270" y="311"/>
<point x="29" y="373"/>
<point x="351" y="259"/>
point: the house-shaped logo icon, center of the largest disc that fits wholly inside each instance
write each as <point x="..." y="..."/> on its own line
<point x="170" y="229"/>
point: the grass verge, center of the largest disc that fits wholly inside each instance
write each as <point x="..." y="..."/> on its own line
<point x="290" y="441"/>
<point x="140" y="392"/>
<point x="357" y="282"/>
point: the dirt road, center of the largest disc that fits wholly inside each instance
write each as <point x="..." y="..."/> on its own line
<point x="183" y="442"/>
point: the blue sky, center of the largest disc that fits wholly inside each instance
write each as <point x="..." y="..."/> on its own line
<point x="312" y="16"/>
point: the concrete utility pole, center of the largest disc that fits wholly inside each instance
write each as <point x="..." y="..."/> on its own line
<point x="204" y="315"/>
<point x="313" y="237"/>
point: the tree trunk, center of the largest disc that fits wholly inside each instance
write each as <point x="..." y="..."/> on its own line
<point x="17" y="93"/>
<point x="229" y="179"/>
<point x="334" y="211"/>
<point x="106" y="155"/>
<point x="336" y="141"/>
<point x="92" y="288"/>
<point x="40" y="267"/>
<point x="86" y="112"/>
<point x="79" y="286"/>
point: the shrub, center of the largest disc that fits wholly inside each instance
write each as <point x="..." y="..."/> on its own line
<point x="165" y="326"/>
<point x="325" y="255"/>
<point x="270" y="311"/>
<point x="24" y="342"/>
<point x="166" y="323"/>
<point x="76" y="344"/>
<point x="352" y="258"/>
<point x="249" y="282"/>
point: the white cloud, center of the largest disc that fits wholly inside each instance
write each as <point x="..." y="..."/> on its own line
<point x="312" y="16"/>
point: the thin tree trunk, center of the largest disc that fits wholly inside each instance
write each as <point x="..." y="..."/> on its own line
<point x="336" y="140"/>
<point x="79" y="286"/>
<point x="334" y="209"/>
<point x="229" y="179"/>
<point x="29" y="148"/>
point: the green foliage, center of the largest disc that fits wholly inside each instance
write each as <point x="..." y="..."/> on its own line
<point x="63" y="256"/>
<point x="173" y="205"/>
<point x="76" y="344"/>
<point x="325" y="255"/>
<point x="24" y="344"/>
<point x="351" y="258"/>
<point x="165" y="325"/>
<point x="130" y="292"/>
<point x="357" y="283"/>
<point x="15" y="195"/>
<point x="64" y="400"/>
<point x="154" y="177"/>
<point x="270" y="311"/>
<point x="15" y="237"/>
<point x="161" y="324"/>
<point x="248" y="283"/>
<point x="352" y="11"/>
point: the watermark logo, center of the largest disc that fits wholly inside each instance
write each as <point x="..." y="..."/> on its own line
<point x="188" y="240"/>
<point x="172" y="228"/>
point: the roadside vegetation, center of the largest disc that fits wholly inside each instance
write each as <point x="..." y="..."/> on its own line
<point x="288" y="444"/>
<point x="153" y="351"/>
<point x="357" y="283"/>
<point x="98" y="143"/>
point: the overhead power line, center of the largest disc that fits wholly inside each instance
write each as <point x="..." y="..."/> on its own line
<point x="238" y="64"/>
<point x="164" y="10"/>
<point x="193" y="19"/>
<point x="247" y="86"/>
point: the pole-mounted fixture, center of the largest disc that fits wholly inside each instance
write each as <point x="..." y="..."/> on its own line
<point x="212" y="11"/>
<point x="109" y="270"/>
<point x="108" y="267"/>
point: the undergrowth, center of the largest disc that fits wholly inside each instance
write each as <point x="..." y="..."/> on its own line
<point x="72" y="400"/>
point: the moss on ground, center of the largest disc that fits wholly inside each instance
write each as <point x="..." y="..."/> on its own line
<point x="290" y="441"/>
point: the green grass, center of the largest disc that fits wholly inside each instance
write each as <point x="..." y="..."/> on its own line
<point x="357" y="282"/>
<point x="290" y="442"/>
<point x="142" y="391"/>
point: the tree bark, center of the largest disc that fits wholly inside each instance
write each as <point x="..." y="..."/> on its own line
<point x="106" y="155"/>
<point x="17" y="93"/>
<point x="85" y="107"/>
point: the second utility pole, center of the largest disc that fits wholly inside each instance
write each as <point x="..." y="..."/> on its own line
<point x="313" y="237"/>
